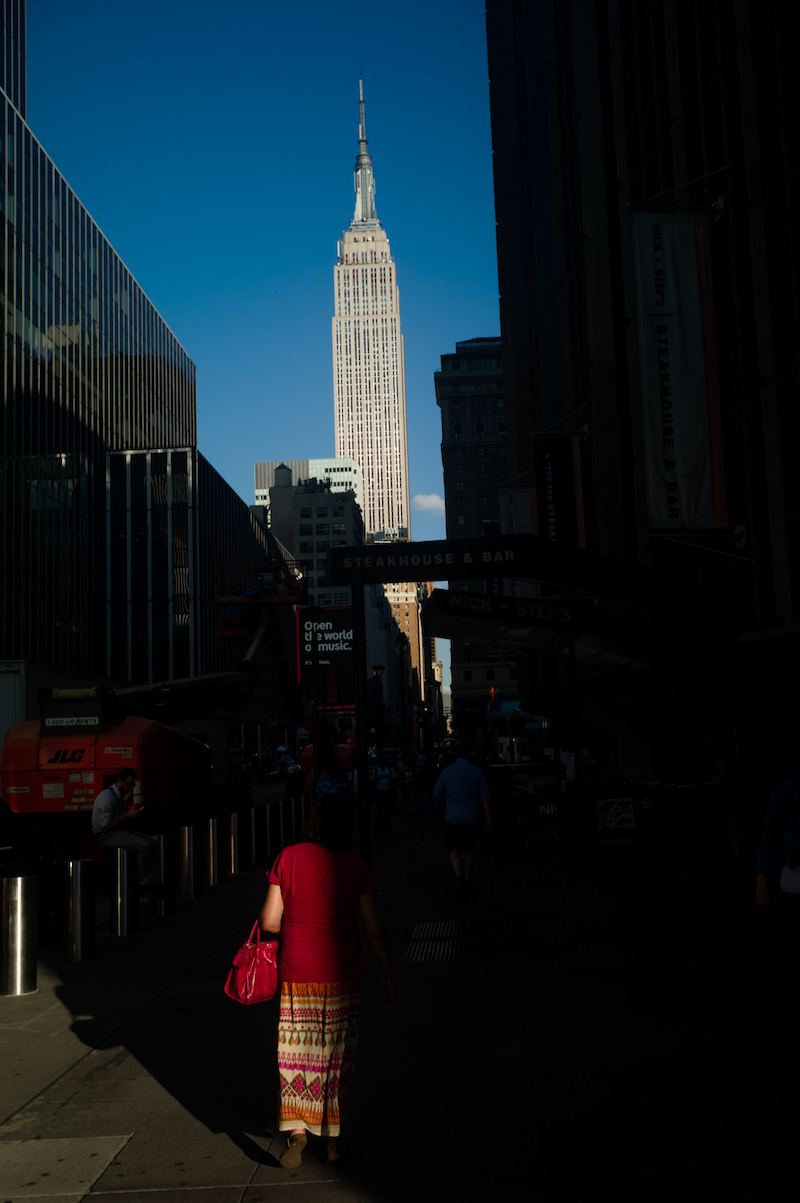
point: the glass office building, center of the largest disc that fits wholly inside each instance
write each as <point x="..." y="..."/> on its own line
<point x="12" y="63"/>
<point x="88" y="368"/>
<point x="115" y="532"/>
<point x="177" y="533"/>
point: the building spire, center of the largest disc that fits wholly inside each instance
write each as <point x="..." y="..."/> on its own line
<point x="362" y="121"/>
<point x="364" y="178"/>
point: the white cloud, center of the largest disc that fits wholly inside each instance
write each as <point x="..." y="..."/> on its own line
<point x="428" y="503"/>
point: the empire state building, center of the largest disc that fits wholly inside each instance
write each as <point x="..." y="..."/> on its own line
<point x="368" y="362"/>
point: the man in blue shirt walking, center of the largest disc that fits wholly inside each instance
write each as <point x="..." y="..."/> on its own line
<point x="465" y="792"/>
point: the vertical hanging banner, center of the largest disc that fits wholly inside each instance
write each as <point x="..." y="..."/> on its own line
<point x="673" y="371"/>
<point x="326" y="655"/>
<point x="557" y="493"/>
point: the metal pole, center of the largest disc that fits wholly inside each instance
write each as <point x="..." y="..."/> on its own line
<point x="79" y="929"/>
<point x="119" y="900"/>
<point x="315" y="732"/>
<point x="211" y="865"/>
<point x="557" y="786"/>
<point x="232" y="846"/>
<point x="269" y="830"/>
<point x="18" y="965"/>
<point x="159" y="865"/>
<point x="186" y="861"/>
<point x="362" y="723"/>
<point x="251" y="860"/>
<point x="281" y="806"/>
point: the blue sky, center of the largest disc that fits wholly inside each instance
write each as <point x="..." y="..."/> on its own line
<point x="216" y="153"/>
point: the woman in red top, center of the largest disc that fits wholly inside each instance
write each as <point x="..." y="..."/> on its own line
<point x="317" y="892"/>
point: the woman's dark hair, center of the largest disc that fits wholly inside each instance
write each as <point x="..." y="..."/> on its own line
<point x="330" y="822"/>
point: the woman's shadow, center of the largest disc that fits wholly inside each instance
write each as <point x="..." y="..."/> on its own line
<point x="214" y="1056"/>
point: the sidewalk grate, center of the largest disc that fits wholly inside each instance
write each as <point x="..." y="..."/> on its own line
<point x="436" y="940"/>
<point x="456" y="939"/>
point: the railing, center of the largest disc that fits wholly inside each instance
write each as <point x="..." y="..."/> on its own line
<point x="197" y="858"/>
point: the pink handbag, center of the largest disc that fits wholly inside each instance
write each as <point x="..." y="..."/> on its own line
<point x="254" y="974"/>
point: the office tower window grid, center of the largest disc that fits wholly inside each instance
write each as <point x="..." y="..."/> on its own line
<point x="13" y="79"/>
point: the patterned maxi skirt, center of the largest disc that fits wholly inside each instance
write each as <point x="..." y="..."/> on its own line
<point x="317" y="1036"/>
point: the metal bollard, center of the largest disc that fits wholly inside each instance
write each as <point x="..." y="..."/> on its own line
<point x="230" y="866"/>
<point x="186" y="861"/>
<point x="159" y="867"/>
<point x="79" y="929"/>
<point x="119" y="898"/>
<point x="211" y="875"/>
<point x="125" y="897"/>
<point x="20" y="900"/>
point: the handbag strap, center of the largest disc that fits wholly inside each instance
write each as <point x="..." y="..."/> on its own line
<point x="257" y="933"/>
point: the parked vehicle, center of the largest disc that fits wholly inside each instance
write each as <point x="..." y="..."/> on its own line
<point x="52" y="769"/>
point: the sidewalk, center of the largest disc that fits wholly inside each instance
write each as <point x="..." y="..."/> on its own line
<point x="569" y="1033"/>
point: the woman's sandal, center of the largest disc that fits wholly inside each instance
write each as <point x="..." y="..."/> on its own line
<point x="292" y="1155"/>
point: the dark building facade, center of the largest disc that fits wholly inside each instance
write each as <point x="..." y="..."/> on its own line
<point x="309" y="517"/>
<point x="182" y="547"/>
<point x="646" y="193"/>
<point x="312" y="516"/>
<point x="470" y="395"/>
<point x="177" y="536"/>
